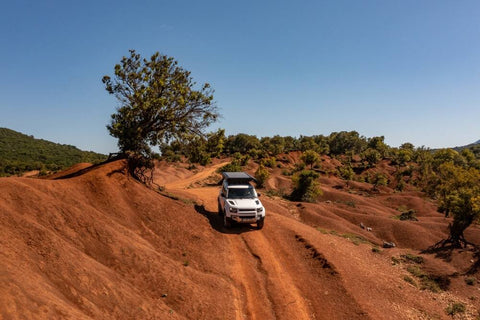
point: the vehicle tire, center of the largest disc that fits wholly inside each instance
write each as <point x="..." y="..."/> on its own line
<point x="220" y="211"/>
<point x="260" y="224"/>
<point x="227" y="223"/>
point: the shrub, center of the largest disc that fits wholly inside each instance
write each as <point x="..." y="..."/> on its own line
<point x="470" y="281"/>
<point x="410" y="280"/>
<point x="270" y="162"/>
<point x="429" y="282"/>
<point x="416" y="271"/>
<point x="299" y="166"/>
<point x="376" y="249"/>
<point x="400" y="185"/>
<point x="412" y="258"/>
<point x="410" y="214"/>
<point x="306" y="187"/>
<point x="372" y="156"/>
<point x="261" y="175"/>
<point x="379" y="180"/>
<point x="346" y="172"/>
<point x="454" y="308"/>
<point x="355" y="238"/>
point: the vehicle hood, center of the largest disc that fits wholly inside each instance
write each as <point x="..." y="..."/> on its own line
<point x="245" y="203"/>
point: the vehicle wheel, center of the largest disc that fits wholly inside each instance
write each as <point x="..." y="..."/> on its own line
<point x="260" y="224"/>
<point x="227" y="223"/>
<point x="220" y="211"/>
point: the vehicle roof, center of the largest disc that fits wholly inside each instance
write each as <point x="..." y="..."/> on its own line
<point x="240" y="178"/>
<point x="237" y="175"/>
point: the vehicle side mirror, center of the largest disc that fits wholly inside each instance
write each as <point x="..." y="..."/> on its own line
<point x="223" y="194"/>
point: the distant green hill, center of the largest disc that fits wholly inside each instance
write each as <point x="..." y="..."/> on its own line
<point x="20" y="153"/>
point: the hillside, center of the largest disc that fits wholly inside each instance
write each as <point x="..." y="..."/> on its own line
<point x="20" y="153"/>
<point x="102" y="246"/>
<point x="473" y="146"/>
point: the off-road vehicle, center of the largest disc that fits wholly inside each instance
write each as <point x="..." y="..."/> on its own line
<point x="238" y="201"/>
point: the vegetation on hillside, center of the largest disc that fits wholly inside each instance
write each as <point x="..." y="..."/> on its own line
<point x="21" y="153"/>
<point x="452" y="177"/>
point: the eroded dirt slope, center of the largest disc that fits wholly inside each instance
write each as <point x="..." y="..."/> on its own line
<point x="99" y="245"/>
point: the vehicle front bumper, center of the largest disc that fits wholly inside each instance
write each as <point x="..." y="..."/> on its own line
<point x="246" y="219"/>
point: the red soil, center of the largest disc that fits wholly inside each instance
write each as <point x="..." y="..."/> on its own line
<point x="99" y="245"/>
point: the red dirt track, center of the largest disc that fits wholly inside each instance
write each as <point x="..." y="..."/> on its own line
<point x="95" y="244"/>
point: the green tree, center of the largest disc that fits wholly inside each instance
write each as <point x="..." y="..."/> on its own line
<point x="277" y="145"/>
<point x="216" y="142"/>
<point x="458" y="190"/>
<point x="347" y="173"/>
<point x="372" y="156"/>
<point x="378" y="143"/>
<point x="306" y="188"/>
<point x="158" y="103"/>
<point x="310" y="157"/>
<point x="195" y="149"/>
<point x="379" y="179"/>
<point x="341" y="142"/>
<point x="307" y="143"/>
<point x="242" y="143"/>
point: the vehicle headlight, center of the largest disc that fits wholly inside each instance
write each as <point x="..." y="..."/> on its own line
<point x="260" y="209"/>
<point x="234" y="210"/>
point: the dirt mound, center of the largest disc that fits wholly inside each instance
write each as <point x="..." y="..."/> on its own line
<point x="102" y="246"/>
<point x="96" y="244"/>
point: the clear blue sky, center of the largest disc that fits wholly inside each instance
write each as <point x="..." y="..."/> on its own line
<point x="408" y="70"/>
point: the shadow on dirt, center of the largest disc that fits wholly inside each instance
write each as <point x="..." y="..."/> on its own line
<point x="441" y="252"/>
<point x="445" y="253"/>
<point x="216" y="221"/>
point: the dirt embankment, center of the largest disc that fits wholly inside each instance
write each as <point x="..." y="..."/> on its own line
<point x="101" y="246"/>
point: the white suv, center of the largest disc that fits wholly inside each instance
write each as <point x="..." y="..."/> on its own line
<point x="238" y="201"/>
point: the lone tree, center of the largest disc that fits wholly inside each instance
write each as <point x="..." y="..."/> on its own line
<point x="310" y="158"/>
<point x="157" y="104"/>
<point x="459" y="194"/>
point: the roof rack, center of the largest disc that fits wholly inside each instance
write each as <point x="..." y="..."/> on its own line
<point x="238" y="177"/>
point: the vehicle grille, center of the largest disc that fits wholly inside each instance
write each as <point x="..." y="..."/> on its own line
<point x="247" y="210"/>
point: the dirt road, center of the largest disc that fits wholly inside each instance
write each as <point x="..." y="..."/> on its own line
<point x="268" y="275"/>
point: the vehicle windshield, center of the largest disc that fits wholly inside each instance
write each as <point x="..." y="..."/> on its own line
<point x="241" y="193"/>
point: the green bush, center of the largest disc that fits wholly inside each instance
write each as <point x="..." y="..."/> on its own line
<point x="261" y="175"/>
<point x="410" y="214"/>
<point x="412" y="258"/>
<point x="454" y="308"/>
<point x="410" y="280"/>
<point x="270" y="162"/>
<point x="306" y="187"/>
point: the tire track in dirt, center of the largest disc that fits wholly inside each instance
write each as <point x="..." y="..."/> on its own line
<point x="286" y="298"/>
<point x="246" y="275"/>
